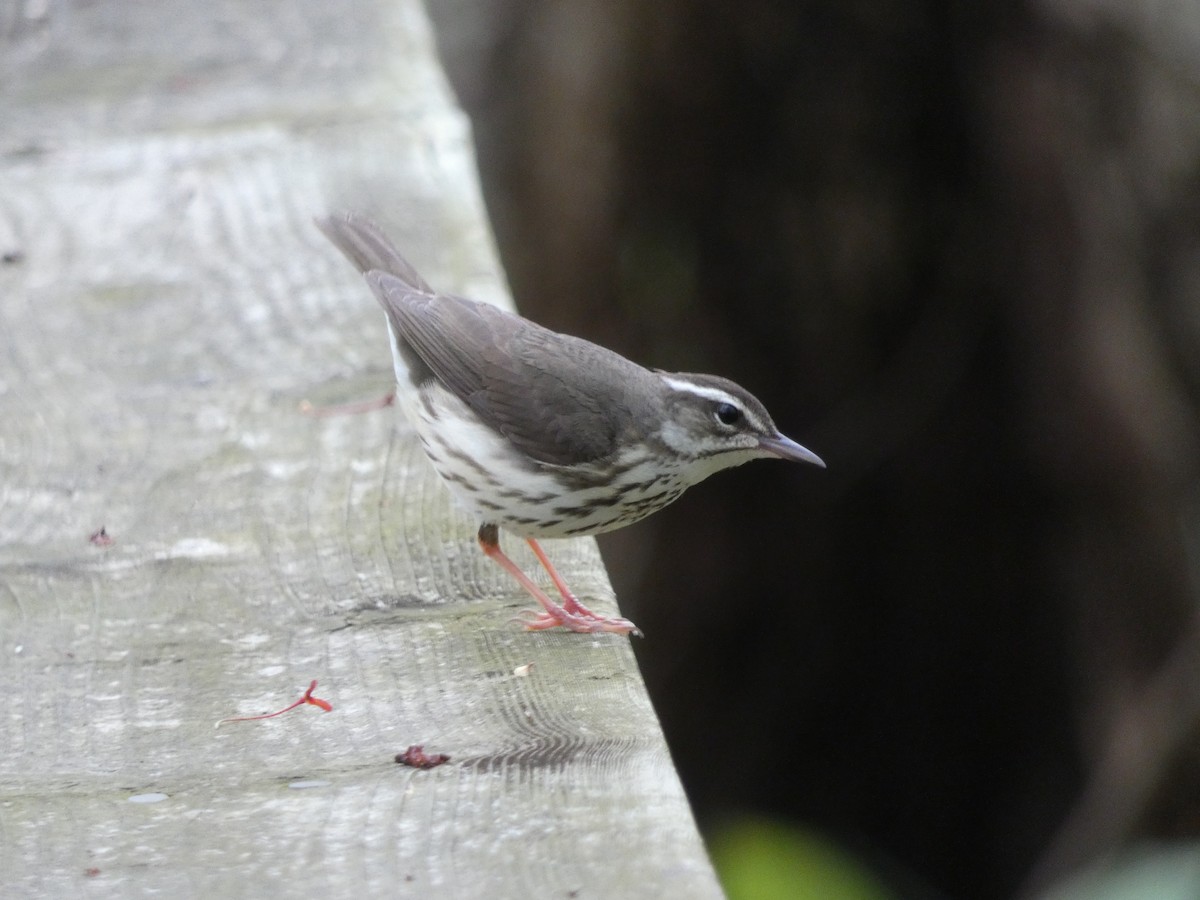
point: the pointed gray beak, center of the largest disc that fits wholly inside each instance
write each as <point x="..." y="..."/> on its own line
<point x="786" y="448"/>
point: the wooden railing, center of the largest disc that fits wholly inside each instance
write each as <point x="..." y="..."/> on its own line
<point x="180" y="542"/>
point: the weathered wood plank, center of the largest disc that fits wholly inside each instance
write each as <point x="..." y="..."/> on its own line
<point x="165" y="306"/>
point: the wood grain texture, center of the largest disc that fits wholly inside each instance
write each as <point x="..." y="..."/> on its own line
<point x="165" y="306"/>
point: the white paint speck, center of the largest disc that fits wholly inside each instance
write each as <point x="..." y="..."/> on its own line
<point x="148" y="798"/>
<point x="195" y="548"/>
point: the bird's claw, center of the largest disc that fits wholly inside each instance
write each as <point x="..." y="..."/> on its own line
<point x="591" y="623"/>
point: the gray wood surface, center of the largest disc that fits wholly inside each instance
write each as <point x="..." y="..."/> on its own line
<point x="165" y="307"/>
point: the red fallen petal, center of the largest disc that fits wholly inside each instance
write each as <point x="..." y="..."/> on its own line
<point x="307" y="698"/>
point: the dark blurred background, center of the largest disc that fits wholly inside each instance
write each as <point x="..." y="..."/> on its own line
<point x="955" y="249"/>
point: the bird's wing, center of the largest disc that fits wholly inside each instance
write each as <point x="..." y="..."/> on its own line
<point x="562" y="400"/>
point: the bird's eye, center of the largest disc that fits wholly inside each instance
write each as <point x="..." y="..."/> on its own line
<point x="728" y="414"/>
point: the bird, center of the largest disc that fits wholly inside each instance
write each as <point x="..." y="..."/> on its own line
<point x="546" y="435"/>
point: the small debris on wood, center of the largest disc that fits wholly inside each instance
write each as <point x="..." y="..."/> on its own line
<point x="307" y="698"/>
<point x="100" y="538"/>
<point x="416" y="757"/>
<point x="523" y="671"/>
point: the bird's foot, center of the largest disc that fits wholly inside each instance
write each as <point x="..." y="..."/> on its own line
<point x="572" y="605"/>
<point x="584" y="622"/>
<point x="572" y="615"/>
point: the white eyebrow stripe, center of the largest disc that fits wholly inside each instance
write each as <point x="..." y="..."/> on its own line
<point x="711" y="393"/>
<point x="708" y="393"/>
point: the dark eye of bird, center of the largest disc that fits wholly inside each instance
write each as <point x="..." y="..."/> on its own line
<point x="728" y="414"/>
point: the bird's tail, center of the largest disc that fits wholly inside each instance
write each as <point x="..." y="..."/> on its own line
<point x="367" y="247"/>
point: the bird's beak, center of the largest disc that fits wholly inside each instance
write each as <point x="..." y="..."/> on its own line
<point x="786" y="448"/>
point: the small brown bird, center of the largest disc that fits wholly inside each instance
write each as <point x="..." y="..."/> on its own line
<point x="543" y="434"/>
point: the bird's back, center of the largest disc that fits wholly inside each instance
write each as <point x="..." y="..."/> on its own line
<point x="561" y="400"/>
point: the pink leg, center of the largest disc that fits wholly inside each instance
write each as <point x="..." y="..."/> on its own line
<point x="570" y="601"/>
<point x="572" y="614"/>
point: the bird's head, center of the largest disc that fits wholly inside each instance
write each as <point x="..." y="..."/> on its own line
<point x="710" y="423"/>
